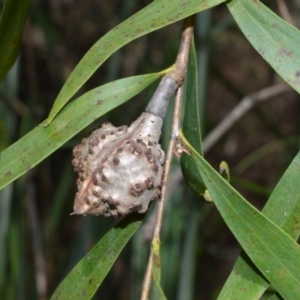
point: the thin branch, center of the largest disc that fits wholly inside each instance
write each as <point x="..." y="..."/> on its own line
<point x="160" y="206"/>
<point x="158" y="104"/>
<point x="241" y="109"/>
<point x="15" y="105"/>
<point x="285" y="12"/>
<point x="174" y="180"/>
<point x="39" y="259"/>
<point x="184" y="51"/>
<point x="177" y="75"/>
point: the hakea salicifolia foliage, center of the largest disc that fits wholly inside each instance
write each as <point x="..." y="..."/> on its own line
<point x="119" y="168"/>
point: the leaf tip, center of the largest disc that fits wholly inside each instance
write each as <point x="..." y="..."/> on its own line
<point x="47" y="122"/>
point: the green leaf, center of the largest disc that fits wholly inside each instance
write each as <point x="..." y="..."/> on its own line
<point x="41" y="142"/>
<point x="154" y="16"/>
<point x="273" y="252"/>
<point x="276" y="40"/>
<point x="13" y="17"/>
<point x="191" y="126"/>
<point x="86" y="277"/>
<point x="275" y="297"/>
<point x="283" y="208"/>
<point x="158" y="293"/>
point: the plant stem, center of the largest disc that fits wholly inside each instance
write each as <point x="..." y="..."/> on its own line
<point x="178" y="76"/>
<point x="160" y="100"/>
<point x="240" y="110"/>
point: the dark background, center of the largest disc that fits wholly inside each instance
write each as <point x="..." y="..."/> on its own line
<point x="40" y="242"/>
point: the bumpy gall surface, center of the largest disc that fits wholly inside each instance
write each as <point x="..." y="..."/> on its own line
<point x="119" y="169"/>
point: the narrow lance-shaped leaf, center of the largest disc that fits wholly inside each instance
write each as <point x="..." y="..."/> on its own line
<point x="283" y="208"/>
<point x="12" y="20"/>
<point x="41" y="142"/>
<point x="154" y="16"/>
<point x="276" y="40"/>
<point x="86" y="277"/>
<point x="273" y="252"/>
<point x="191" y="125"/>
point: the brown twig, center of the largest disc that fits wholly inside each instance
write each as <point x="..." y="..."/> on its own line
<point x="174" y="180"/>
<point x="160" y="206"/>
<point x="16" y="106"/>
<point x="177" y="75"/>
<point x="285" y="12"/>
<point x="184" y="51"/>
<point x="241" y="109"/>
